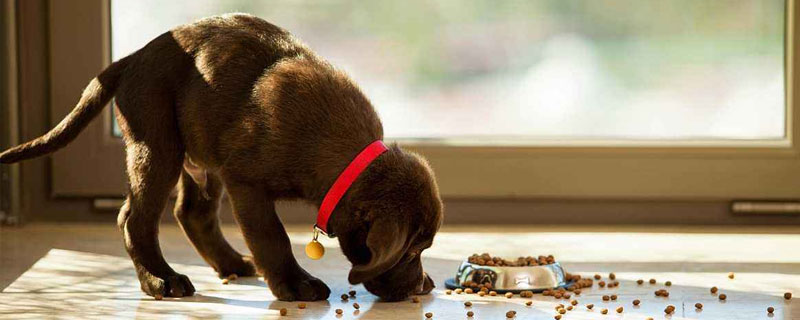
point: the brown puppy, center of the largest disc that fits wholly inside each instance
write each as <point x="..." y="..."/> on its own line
<point x="236" y="102"/>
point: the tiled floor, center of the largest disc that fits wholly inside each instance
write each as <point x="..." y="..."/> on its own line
<point x="82" y="271"/>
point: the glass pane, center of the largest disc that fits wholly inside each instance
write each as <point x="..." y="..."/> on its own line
<point x="620" y="69"/>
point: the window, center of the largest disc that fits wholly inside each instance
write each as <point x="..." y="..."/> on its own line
<point x="484" y="71"/>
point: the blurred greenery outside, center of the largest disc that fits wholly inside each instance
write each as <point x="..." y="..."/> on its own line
<point x="629" y="69"/>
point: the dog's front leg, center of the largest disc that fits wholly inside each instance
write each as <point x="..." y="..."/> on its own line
<point x="272" y="251"/>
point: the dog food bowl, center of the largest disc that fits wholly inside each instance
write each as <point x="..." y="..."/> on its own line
<point x="511" y="279"/>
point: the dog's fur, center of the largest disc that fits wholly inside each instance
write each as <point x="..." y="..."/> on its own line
<point x="236" y="102"/>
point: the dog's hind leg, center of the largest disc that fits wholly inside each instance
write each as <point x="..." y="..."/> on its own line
<point x="196" y="212"/>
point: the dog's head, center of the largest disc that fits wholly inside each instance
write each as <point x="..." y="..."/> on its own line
<point x="394" y="213"/>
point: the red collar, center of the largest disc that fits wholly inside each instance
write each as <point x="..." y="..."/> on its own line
<point x="343" y="182"/>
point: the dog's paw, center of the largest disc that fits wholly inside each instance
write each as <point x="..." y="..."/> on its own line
<point x="304" y="288"/>
<point x="176" y="285"/>
<point x="244" y="267"/>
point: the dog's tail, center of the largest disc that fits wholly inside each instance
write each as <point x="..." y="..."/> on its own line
<point x="94" y="98"/>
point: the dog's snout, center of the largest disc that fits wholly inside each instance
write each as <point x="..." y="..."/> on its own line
<point x="426" y="284"/>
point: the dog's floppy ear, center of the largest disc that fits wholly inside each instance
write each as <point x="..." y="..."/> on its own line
<point x="387" y="241"/>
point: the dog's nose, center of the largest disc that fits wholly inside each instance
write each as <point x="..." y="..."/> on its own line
<point x="426" y="285"/>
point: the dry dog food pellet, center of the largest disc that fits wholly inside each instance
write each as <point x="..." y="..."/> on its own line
<point x="345" y="297"/>
<point x="284" y="311"/>
<point x="606" y="298"/>
<point x="612" y="276"/>
<point x="601" y="284"/>
<point x="352" y="293"/>
<point x="510" y="314"/>
<point x="528" y="303"/>
<point x="787" y="296"/>
<point x="577" y="292"/>
<point x="468" y="291"/>
<point x="649" y="318"/>
<point x="662" y="293"/>
<point x="158" y="297"/>
<point x="415" y="299"/>
<point x="652" y="281"/>
<point x="569" y="308"/>
<point x="770" y="310"/>
<point x="526" y="294"/>
<point x="429" y="315"/>
<point x="722" y="296"/>
<point x="619" y="309"/>
<point x="562" y="310"/>
<point x="448" y="292"/>
<point x="668" y="283"/>
<point x="557" y="317"/>
<point x="567" y="295"/>
<point x="356" y="306"/>
<point x="492" y="293"/>
<point x="589" y="306"/>
<point x="470" y="313"/>
<point x="468" y="303"/>
<point x="670" y="309"/>
<point x="574" y="302"/>
<point x="714" y="289"/>
<point x="730" y="275"/>
<point x="225" y="281"/>
<point x="301" y="305"/>
<point x="339" y="311"/>
<point x="613" y="297"/>
<point x="481" y="293"/>
<point x="559" y="306"/>
<point x="698" y="305"/>
<point x="509" y="295"/>
<point x="597" y="277"/>
<point x="636" y="302"/>
<point x="604" y="311"/>
<point x="459" y="291"/>
<point x="487" y="260"/>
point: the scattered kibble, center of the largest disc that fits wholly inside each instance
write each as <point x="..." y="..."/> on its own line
<point x="606" y="298"/>
<point x="574" y="302"/>
<point x="640" y="281"/>
<point x="448" y="292"/>
<point x="429" y="315"/>
<point x="468" y="303"/>
<point x="415" y="299"/>
<point x="352" y="293"/>
<point x="722" y="297"/>
<point x="492" y="293"/>
<point x="526" y="294"/>
<point x="613" y="297"/>
<point x="339" y="311"/>
<point x="481" y="293"/>
<point x="770" y="310"/>
<point x="284" y="312"/>
<point x="601" y="284"/>
<point x="301" y="305"/>
<point x="468" y="291"/>
<point x="345" y="297"/>
<point x="597" y="277"/>
<point x="589" y="306"/>
<point x="662" y="293"/>
<point x="509" y="295"/>
<point x="730" y="275"/>
<point x="787" y="296"/>
<point x="225" y="281"/>
<point x="557" y="317"/>
<point x="528" y="303"/>
<point x="669" y="309"/>
<point x="459" y="291"/>
<point x="511" y="314"/>
<point x="612" y="276"/>
<point x="636" y="302"/>
<point x="619" y="309"/>
<point x="604" y="311"/>
<point x="562" y="310"/>
<point x="356" y="306"/>
<point x="714" y="289"/>
<point x="470" y="314"/>
<point x="569" y="308"/>
<point x="652" y="281"/>
<point x="698" y="306"/>
<point x="668" y="283"/>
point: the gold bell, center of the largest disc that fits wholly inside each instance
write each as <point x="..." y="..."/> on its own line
<point x="314" y="249"/>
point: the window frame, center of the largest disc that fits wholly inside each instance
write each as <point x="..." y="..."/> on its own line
<point x="587" y="169"/>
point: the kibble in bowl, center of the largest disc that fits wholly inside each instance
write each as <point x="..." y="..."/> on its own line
<point x="523" y="275"/>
